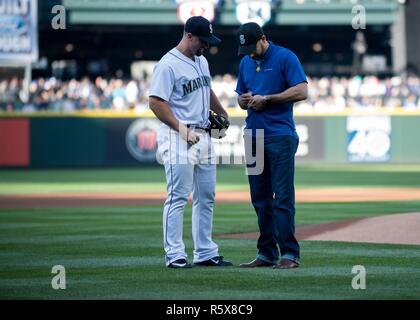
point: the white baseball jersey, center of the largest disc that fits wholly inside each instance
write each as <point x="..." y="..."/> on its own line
<point x="185" y="85"/>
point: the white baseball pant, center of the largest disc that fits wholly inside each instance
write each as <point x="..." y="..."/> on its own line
<point x="188" y="169"/>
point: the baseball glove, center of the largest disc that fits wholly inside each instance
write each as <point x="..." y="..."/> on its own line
<point x="218" y="125"/>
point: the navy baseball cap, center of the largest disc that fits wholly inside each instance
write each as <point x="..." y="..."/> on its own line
<point x="202" y="28"/>
<point x="248" y="35"/>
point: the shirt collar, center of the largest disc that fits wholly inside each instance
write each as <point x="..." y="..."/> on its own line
<point x="269" y="51"/>
<point x="180" y="55"/>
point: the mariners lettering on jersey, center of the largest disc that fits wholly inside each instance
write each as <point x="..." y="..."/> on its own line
<point x="195" y="84"/>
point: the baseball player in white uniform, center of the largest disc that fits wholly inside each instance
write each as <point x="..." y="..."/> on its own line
<point x="181" y="96"/>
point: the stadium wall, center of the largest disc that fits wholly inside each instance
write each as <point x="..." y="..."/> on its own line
<point x="54" y="141"/>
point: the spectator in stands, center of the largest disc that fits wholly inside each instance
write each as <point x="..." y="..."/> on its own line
<point x="325" y="94"/>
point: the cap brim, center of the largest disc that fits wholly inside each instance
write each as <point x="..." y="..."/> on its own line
<point x="246" y="50"/>
<point x="211" y="39"/>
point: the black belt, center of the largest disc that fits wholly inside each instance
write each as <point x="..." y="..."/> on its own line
<point x="199" y="128"/>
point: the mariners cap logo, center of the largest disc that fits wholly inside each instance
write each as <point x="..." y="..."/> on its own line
<point x="248" y="36"/>
<point x="211" y="28"/>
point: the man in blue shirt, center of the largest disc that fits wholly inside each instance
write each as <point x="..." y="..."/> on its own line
<point x="270" y="80"/>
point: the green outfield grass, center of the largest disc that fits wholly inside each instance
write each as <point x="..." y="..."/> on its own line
<point x="117" y="252"/>
<point x="152" y="179"/>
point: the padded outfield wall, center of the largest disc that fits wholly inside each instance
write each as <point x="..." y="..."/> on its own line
<point x="107" y="140"/>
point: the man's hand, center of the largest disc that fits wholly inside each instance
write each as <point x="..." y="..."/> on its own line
<point x="244" y="99"/>
<point x="188" y="135"/>
<point x="257" y="102"/>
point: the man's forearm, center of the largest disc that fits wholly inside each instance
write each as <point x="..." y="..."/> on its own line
<point x="162" y="111"/>
<point x="293" y="94"/>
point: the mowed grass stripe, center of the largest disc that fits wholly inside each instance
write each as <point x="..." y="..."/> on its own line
<point x="152" y="179"/>
<point x="306" y="212"/>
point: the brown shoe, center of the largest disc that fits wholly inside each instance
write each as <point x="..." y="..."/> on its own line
<point x="286" y="264"/>
<point x="256" y="263"/>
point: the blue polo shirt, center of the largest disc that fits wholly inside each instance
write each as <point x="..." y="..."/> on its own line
<point x="280" y="69"/>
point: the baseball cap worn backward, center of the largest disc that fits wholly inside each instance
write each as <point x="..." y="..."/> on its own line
<point x="202" y="28"/>
<point x="248" y="35"/>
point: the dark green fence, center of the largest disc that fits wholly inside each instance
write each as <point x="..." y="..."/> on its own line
<point x="78" y="141"/>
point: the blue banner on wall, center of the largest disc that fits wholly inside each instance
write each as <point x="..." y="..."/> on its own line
<point x="369" y="138"/>
<point x="18" y="31"/>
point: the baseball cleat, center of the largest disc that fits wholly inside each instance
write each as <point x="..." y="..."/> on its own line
<point x="215" y="262"/>
<point x="180" y="264"/>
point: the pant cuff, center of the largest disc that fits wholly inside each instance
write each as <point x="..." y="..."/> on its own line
<point x="292" y="257"/>
<point x="265" y="259"/>
<point x="169" y="261"/>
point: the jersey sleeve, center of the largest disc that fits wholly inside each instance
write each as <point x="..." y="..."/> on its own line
<point x="293" y="70"/>
<point x="240" y="86"/>
<point x="163" y="82"/>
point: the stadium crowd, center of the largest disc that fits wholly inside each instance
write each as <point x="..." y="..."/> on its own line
<point x="326" y="94"/>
